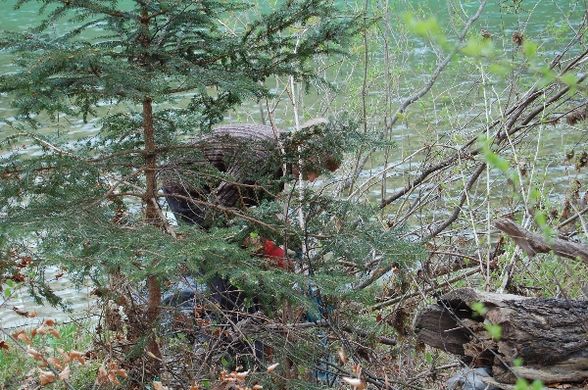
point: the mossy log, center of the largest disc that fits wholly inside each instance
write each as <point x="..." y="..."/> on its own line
<point x="549" y="336"/>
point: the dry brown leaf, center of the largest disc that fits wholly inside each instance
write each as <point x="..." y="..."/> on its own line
<point x="49" y="322"/>
<point x="77" y="356"/>
<point x="54" y="332"/>
<point x="20" y="312"/>
<point x="55" y="363"/>
<point x="158" y="386"/>
<point x="4" y="345"/>
<point x="342" y="356"/>
<point x="32" y="314"/>
<point x="354" y="382"/>
<point x="22" y="336"/>
<point x="272" y="367"/>
<point x="24" y="261"/>
<point x="122" y="373"/>
<point x="152" y="356"/>
<point x="112" y="378"/>
<point x="46" y="377"/>
<point x="64" y="374"/>
<point x="241" y="375"/>
<point x="34" y="354"/>
<point x="102" y="377"/>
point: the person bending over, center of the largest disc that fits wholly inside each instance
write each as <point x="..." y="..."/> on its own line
<point x="238" y="166"/>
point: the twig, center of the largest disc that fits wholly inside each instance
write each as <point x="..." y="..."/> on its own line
<point x="433" y="370"/>
<point x="573" y="218"/>
<point x="427" y="87"/>
<point x="457" y="209"/>
<point x="394" y="301"/>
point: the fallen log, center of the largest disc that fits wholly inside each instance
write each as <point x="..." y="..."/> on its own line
<point x="533" y="243"/>
<point x="549" y="336"/>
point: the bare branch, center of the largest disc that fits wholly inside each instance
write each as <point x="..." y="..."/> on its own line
<point x="427" y="87"/>
<point x="532" y="243"/>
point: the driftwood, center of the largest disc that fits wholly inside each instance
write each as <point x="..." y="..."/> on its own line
<point x="532" y="243"/>
<point x="549" y="335"/>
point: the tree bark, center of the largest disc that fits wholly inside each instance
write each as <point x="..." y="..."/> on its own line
<point x="548" y="334"/>
<point x="151" y="217"/>
<point x="151" y="213"/>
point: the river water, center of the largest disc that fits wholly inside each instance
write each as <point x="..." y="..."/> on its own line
<point x="539" y="19"/>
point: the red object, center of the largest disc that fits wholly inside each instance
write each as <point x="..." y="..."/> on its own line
<point x="276" y="254"/>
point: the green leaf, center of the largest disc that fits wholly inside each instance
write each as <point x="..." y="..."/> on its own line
<point x="429" y="357"/>
<point x="521" y="384"/>
<point x="498" y="162"/>
<point x="426" y="28"/>
<point x="479" y="308"/>
<point x="478" y="47"/>
<point x="494" y="330"/>
<point x="569" y="79"/>
<point x="494" y="159"/>
<point x="540" y="219"/>
<point x="529" y="49"/>
<point x="548" y="76"/>
<point x="499" y="69"/>
<point x="225" y="363"/>
<point x="534" y="194"/>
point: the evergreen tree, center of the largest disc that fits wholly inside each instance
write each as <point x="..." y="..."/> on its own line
<point x="149" y="74"/>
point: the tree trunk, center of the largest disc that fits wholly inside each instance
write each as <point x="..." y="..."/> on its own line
<point x="549" y="335"/>
<point x="142" y="322"/>
<point x="151" y="217"/>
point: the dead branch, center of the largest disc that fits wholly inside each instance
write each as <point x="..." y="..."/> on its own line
<point x="533" y="243"/>
<point x="512" y="116"/>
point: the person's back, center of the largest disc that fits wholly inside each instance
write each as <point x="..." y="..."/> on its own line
<point x="235" y="166"/>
